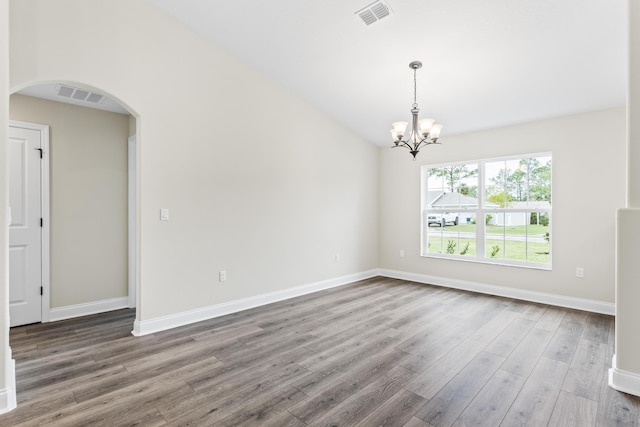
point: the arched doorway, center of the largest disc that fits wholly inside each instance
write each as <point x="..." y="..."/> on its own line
<point x="91" y="218"/>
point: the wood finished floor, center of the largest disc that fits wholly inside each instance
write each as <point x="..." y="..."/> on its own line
<point x="377" y="352"/>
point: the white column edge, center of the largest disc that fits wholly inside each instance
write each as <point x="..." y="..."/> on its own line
<point x="624" y="381"/>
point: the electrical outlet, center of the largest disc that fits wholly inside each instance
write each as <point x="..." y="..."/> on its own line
<point x="222" y="275"/>
<point x="580" y="272"/>
<point x="164" y="214"/>
<point x="337" y="257"/>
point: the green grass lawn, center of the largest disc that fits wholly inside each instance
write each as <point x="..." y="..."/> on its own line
<point x="508" y="249"/>
<point x="494" y="229"/>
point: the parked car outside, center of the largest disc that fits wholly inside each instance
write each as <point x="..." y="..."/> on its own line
<point x="442" y="219"/>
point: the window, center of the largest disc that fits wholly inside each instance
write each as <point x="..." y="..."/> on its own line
<point x="493" y="210"/>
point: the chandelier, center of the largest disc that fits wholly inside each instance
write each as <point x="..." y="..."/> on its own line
<point x="423" y="131"/>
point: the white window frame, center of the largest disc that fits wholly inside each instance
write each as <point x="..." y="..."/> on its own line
<point x="480" y="213"/>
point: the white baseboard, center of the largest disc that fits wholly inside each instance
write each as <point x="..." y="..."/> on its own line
<point x="88" y="308"/>
<point x="626" y="382"/>
<point x="8" y="399"/>
<point x="151" y="326"/>
<point x="532" y="296"/>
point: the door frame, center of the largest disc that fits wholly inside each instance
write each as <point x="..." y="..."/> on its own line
<point x="131" y="213"/>
<point x="45" y="231"/>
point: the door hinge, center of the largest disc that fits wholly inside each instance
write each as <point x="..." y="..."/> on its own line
<point x="40" y="150"/>
<point x="41" y="290"/>
<point x="41" y="222"/>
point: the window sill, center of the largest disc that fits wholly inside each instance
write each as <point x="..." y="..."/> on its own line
<point x="496" y="262"/>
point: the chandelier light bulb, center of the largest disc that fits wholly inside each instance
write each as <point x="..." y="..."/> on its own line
<point x="435" y="131"/>
<point x="425" y="126"/>
<point x="400" y="128"/>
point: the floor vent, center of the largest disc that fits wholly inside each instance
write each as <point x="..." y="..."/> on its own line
<point x="374" y="12"/>
<point x="80" y="94"/>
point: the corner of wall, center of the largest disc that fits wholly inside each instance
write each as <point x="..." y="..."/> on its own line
<point x="7" y="364"/>
<point x="8" y="401"/>
<point x="626" y="382"/>
<point x="625" y="373"/>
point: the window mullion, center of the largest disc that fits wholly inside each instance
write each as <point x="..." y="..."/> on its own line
<point x="480" y="213"/>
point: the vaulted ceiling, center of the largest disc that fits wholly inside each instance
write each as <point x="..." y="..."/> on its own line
<point x="487" y="63"/>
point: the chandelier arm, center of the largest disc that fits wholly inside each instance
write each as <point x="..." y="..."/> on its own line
<point x="403" y="143"/>
<point x="407" y="145"/>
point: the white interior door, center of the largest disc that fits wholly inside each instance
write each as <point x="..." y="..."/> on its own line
<point x="25" y="231"/>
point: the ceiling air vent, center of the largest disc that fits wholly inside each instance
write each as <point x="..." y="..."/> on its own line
<point x="80" y="94"/>
<point x="374" y="12"/>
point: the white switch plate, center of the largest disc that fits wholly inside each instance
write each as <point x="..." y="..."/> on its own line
<point x="401" y="253"/>
<point x="337" y="257"/>
<point x="164" y="214"/>
<point x="222" y="275"/>
<point x="580" y="272"/>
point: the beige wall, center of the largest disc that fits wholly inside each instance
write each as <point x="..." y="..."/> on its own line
<point x="633" y="102"/>
<point x="258" y="182"/>
<point x="88" y="184"/>
<point x="588" y="186"/>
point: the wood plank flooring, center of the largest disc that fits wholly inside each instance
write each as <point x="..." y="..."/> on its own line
<point x="377" y="352"/>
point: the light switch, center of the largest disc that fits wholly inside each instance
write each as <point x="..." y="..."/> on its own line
<point x="164" y="214"/>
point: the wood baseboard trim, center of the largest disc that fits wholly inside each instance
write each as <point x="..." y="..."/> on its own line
<point x="86" y="309"/>
<point x="624" y="381"/>
<point x="531" y="296"/>
<point x="145" y="327"/>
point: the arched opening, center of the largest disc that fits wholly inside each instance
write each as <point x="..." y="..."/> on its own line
<point x="90" y="221"/>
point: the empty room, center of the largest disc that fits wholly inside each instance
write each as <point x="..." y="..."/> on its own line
<point x="401" y="213"/>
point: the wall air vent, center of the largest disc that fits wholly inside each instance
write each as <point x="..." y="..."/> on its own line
<point x="94" y="97"/>
<point x="65" y="91"/>
<point x="374" y="12"/>
<point x="79" y="94"/>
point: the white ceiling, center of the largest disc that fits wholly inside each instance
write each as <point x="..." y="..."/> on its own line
<point x="487" y="63"/>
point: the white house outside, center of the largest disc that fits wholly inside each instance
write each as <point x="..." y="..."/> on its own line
<point x="462" y="207"/>
<point x="520" y="218"/>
